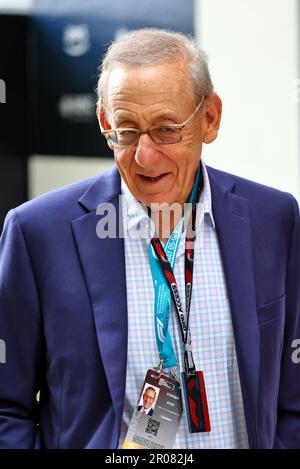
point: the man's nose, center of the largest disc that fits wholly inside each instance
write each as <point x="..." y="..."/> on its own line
<point x="147" y="152"/>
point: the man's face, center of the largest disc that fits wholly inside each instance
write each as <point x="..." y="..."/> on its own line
<point x="144" y="97"/>
<point x="148" y="398"/>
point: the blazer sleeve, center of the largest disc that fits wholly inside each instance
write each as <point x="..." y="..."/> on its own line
<point x="288" y="415"/>
<point x="21" y="339"/>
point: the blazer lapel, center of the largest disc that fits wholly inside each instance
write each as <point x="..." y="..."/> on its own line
<point x="233" y="225"/>
<point x="103" y="265"/>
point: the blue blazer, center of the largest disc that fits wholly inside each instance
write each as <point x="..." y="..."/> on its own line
<point x="63" y="314"/>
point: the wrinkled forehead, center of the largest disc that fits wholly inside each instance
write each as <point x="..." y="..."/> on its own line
<point x="173" y="79"/>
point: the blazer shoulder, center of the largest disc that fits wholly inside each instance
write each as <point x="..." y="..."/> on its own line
<point x="56" y="200"/>
<point x="258" y="194"/>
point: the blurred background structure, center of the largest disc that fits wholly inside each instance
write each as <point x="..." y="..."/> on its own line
<point x="49" y="57"/>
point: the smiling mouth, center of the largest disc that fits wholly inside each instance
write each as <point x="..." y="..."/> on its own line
<point x="153" y="179"/>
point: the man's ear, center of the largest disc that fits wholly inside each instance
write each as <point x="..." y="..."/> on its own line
<point x="102" y="120"/>
<point x="101" y="116"/>
<point x="211" y="118"/>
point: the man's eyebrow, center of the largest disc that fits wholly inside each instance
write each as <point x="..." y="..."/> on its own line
<point x="131" y="116"/>
<point x="124" y="114"/>
<point x="164" y="115"/>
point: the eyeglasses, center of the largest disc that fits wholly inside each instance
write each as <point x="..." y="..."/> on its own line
<point x="163" y="135"/>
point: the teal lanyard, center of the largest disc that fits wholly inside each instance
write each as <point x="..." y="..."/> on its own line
<point x="163" y="300"/>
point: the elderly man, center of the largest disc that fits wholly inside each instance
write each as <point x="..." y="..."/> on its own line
<point x="148" y="401"/>
<point x="213" y="293"/>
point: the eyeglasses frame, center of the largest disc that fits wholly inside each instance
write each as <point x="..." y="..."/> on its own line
<point x="139" y="132"/>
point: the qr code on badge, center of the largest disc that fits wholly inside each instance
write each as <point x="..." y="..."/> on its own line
<point x="152" y="427"/>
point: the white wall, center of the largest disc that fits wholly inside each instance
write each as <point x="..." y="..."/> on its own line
<point x="49" y="172"/>
<point x="253" y="51"/>
<point x="10" y="6"/>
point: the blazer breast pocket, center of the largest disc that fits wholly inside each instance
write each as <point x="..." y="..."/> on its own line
<point x="271" y="311"/>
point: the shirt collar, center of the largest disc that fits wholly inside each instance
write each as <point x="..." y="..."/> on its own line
<point x="145" y="411"/>
<point x="205" y="196"/>
<point x="139" y="225"/>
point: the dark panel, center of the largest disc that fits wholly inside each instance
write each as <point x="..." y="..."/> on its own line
<point x="64" y="54"/>
<point x="49" y="63"/>
<point x="67" y="42"/>
<point x="13" y="113"/>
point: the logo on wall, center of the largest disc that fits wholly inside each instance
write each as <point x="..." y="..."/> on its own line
<point x="76" y="39"/>
<point x="77" y="107"/>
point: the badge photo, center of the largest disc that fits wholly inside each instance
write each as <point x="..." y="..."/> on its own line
<point x="155" y="420"/>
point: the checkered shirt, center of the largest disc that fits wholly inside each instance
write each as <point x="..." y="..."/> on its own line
<point x="210" y="324"/>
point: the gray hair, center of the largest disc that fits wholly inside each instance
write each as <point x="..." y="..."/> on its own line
<point x="152" y="46"/>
